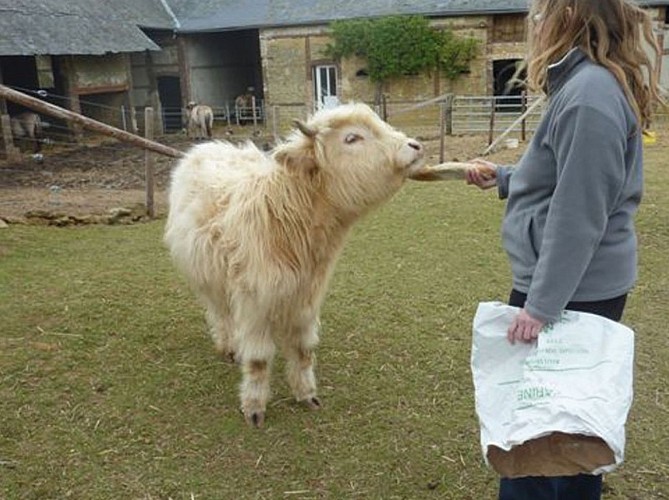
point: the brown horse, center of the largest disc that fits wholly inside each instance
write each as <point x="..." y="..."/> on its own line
<point x="28" y="126"/>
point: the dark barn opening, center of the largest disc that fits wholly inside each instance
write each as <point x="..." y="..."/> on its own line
<point x="509" y="87"/>
<point x="19" y="73"/>
<point x="169" y="90"/>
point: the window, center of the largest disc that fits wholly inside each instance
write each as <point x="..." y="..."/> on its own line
<point x="325" y="86"/>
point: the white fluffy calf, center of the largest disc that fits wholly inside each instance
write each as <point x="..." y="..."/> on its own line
<point x="200" y="121"/>
<point x="28" y="126"/>
<point x="258" y="235"/>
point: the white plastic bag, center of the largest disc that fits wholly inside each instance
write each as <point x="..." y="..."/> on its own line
<point x="576" y="379"/>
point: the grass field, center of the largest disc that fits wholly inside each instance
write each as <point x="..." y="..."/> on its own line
<point x="110" y="389"/>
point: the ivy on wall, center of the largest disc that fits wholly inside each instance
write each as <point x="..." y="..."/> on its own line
<point x="396" y="46"/>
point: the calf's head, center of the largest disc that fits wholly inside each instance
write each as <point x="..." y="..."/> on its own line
<point x="357" y="159"/>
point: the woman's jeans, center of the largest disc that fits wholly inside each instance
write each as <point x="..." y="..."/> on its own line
<point x="582" y="486"/>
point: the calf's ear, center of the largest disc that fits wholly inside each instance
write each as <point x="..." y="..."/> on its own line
<point x="298" y="157"/>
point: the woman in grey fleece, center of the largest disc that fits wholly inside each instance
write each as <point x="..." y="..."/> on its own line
<point x="571" y="200"/>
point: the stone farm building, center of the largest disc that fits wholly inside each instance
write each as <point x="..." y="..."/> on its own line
<point x="97" y="57"/>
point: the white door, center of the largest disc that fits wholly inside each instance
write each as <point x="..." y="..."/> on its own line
<point x="325" y="86"/>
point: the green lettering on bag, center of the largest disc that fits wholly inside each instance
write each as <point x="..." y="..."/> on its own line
<point x="534" y="393"/>
<point x="541" y="362"/>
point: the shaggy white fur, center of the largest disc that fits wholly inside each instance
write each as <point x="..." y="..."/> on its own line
<point x="258" y="235"/>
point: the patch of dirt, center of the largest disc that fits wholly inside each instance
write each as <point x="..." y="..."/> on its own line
<point x="99" y="177"/>
<point x="90" y="179"/>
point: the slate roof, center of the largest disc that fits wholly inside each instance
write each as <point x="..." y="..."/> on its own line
<point x="209" y="15"/>
<point x="29" y="27"/>
<point x="216" y="15"/>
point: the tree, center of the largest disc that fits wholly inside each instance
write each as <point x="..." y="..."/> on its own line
<point x="395" y="46"/>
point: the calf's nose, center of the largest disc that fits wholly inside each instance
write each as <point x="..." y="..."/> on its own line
<point x="415" y="145"/>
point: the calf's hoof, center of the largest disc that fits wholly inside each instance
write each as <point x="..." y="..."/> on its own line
<point x="255" y="419"/>
<point x="313" y="403"/>
<point x="226" y="355"/>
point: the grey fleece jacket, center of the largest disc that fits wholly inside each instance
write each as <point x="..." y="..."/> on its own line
<point x="568" y="228"/>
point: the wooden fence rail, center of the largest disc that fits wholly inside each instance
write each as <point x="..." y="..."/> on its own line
<point x="88" y="123"/>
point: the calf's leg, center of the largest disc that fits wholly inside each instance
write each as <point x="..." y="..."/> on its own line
<point x="256" y="352"/>
<point x="298" y="348"/>
<point x="220" y="328"/>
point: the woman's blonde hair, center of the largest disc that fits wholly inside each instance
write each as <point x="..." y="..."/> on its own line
<point x="611" y="32"/>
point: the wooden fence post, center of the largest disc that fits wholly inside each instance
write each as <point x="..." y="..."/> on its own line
<point x="149" y="162"/>
<point x="448" y="118"/>
<point x="13" y="154"/>
<point x="523" y="108"/>
<point x="384" y="107"/>
<point x="442" y="130"/>
<point x="133" y="119"/>
<point x="253" y="109"/>
<point x="491" y="133"/>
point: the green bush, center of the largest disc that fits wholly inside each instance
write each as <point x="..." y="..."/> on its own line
<point x="396" y="46"/>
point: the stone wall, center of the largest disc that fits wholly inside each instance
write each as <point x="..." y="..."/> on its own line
<point x="289" y="55"/>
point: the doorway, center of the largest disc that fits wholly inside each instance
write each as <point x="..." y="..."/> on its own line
<point x="169" y="90"/>
<point x="509" y="86"/>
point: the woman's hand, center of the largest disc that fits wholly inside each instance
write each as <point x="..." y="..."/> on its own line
<point x="524" y="328"/>
<point x="483" y="174"/>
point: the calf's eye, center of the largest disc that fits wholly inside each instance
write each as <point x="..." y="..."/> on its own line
<point x="352" y="138"/>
